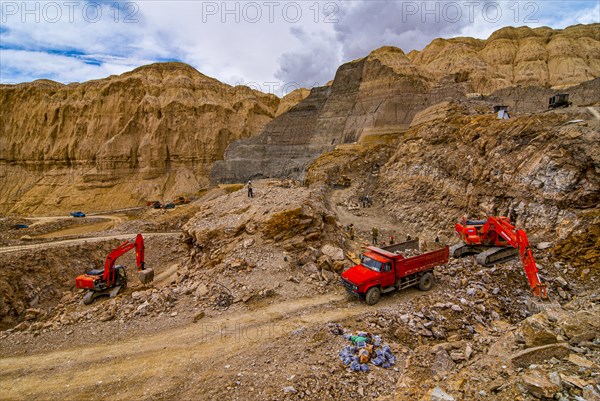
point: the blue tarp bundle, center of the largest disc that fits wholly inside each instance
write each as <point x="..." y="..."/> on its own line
<point x="379" y="355"/>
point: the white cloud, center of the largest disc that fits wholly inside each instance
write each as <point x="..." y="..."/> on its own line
<point x="22" y="65"/>
<point x="251" y="42"/>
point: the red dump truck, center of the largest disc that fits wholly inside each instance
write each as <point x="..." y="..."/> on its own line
<point x="382" y="270"/>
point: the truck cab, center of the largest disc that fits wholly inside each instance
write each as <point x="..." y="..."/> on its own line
<point x="383" y="270"/>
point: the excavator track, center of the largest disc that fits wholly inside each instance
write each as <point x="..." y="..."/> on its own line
<point x="461" y="249"/>
<point x="496" y="255"/>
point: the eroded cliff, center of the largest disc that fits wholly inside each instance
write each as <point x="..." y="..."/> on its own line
<point x="116" y="142"/>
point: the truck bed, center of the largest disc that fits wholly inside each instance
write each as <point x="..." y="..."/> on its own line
<point x="423" y="262"/>
<point x="403" y="246"/>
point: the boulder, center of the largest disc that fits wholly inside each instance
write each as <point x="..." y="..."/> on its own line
<point x="310" y="255"/>
<point x="539" y="384"/>
<point x="338" y="265"/>
<point x="201" y="291"/>
<point x="536" y="331"/>
<point x="442" y="363"/>
<point x="437" y="394"/>
<point x="325" y="262"/>
<point x="310" y="268"/>
<point x="583" y="325"/>
<point x="334" y="252"/>
<point x="590" y="393"/>
<point x="539" y="354"/>
<point x="582" y="361"/>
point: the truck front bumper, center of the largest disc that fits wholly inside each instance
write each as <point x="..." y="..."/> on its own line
<point x="351" y="288"/>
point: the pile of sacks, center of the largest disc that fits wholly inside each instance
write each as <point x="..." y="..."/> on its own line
<point x="366" y="348"/>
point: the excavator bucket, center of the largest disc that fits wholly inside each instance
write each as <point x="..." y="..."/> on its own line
<point x="146" y="276"/>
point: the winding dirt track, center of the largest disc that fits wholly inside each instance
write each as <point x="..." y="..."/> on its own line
<point x="158" y="366"/>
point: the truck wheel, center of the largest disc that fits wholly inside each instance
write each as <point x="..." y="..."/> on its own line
<point x="373" y="295"/>
<point x="426" y="282"/>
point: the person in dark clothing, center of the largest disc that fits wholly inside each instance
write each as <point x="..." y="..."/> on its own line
<point x="375" y="234"/>
<point x="250" y="194"/>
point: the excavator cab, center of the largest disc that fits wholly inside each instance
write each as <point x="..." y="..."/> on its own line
<point x="120" y="276"/>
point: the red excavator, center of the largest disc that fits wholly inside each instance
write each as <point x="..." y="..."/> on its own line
<point x="113" y="278"/>
<point x="496" y="240"/>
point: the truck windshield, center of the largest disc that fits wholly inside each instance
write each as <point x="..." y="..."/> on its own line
<point x="371" y="263"/>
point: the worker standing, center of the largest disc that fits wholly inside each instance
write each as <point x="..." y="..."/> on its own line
<point x="250" y="194"/>
<point x="375" y="234"/>
<point x="351" y="231"/>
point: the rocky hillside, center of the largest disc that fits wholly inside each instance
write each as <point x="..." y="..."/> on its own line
<point x="541" y="169"/>
<point x="382" y="93"/>
<point x="116" y="142"/>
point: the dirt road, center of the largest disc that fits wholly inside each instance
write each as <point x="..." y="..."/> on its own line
<point x="53" y="244"/>
<point x="367" y="219"/>
<point x="159" y="366"/>
<point x="48" y="219"/>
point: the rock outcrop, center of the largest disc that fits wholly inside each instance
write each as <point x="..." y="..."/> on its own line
<point x="116" y="142"/>
<point x="541" y="169"/>
<point x="381" y="93"/>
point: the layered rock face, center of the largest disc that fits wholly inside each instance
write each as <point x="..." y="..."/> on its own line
<point x="381" y="93"/>
<point x="150" y="133"/>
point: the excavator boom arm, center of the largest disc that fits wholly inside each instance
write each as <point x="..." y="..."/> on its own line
<point x="518" y="239"/>
<point x="109" y="263"/>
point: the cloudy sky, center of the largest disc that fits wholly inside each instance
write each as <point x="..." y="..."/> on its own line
<point x="270" y="45"/>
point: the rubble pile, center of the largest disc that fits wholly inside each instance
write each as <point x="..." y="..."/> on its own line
<point x="151" y="303"/>
<point x="285" y="230"/>
<point x="477" y="335"/>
